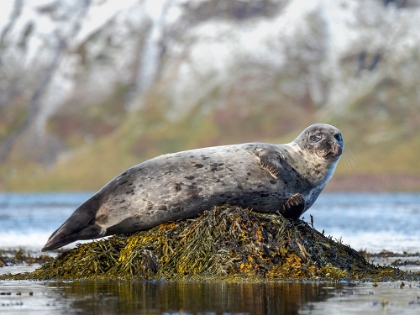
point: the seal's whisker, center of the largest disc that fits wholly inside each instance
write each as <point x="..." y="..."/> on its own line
<point x="348" y="159"/>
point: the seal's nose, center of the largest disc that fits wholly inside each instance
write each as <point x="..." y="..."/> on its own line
<point x="338" y="137"/>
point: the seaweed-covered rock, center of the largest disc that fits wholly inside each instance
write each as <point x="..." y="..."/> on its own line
<point x="226" y="243"/>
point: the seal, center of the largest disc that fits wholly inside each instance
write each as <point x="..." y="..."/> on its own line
<point x="285" y="178"/>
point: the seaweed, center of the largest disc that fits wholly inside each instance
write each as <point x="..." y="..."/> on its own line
<point x="226" y="243"/>
<point x="20" y="256"/>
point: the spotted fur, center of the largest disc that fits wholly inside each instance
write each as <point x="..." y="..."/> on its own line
<point x="181" y="185"/>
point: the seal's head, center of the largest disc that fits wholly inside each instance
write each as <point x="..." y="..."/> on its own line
<point x="323" y="141"/>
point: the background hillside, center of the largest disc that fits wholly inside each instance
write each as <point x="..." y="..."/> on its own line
<point x="89" y="88"/>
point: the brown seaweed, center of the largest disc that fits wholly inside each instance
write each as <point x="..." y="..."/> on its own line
<point x="226" y="243"/>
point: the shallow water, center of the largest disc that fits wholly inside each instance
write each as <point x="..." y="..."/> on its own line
<point x="28" y="219"/>
<point x="370" y="221"/>
<point x="206" y="298"/>
<point x="365" y="221"/>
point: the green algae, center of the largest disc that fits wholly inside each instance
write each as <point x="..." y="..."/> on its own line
<point x="226" y="243"/>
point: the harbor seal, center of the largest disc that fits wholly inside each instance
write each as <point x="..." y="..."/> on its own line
<point x="285" y="178"/>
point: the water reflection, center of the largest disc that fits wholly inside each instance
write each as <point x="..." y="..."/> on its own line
<point x="188" y="298"/>
<point x="170" y="298"/>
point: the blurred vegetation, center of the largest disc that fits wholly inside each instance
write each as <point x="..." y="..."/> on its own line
<point x="103" y="140"/>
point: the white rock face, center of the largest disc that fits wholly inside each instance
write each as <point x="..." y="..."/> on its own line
<point x="81" y="49"/>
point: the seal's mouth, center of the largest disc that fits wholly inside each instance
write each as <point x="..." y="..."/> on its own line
<point x="335" y="150"/>
<point x="334" y="153"/>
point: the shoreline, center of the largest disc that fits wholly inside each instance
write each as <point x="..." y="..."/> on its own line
<point x="340" y="183"/>
<point x="374" y="183"/>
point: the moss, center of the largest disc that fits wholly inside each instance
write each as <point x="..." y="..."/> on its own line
<point x="226" y="243"/>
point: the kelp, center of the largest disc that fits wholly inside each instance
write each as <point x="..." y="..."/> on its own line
<point x="226" y="243"/>
<point x="20" y="256"/>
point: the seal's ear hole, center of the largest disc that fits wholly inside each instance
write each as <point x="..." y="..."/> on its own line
<point x="315" y="138"/>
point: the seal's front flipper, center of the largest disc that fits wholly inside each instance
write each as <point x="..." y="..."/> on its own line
<point x="294" y="207"/>
<point x="269" y="161"/>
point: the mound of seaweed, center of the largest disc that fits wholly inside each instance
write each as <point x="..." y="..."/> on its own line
<point x="226" y="243"/>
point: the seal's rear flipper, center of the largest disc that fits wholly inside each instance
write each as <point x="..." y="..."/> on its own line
<point x="80" y="225"/>
<point x="294" y="207"/>
<point x="62" y="237"/>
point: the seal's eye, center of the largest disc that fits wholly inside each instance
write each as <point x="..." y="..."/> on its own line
<point x="315" y="138"/>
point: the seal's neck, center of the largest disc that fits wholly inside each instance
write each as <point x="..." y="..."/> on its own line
<point x="320" y="170"/>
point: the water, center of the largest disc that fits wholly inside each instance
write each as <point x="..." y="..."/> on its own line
<point x="370" y="221"/>
<point x="28" y="219"/>
<point x="364" y="221"/>
<point x="134" y="297"/>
